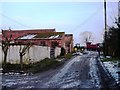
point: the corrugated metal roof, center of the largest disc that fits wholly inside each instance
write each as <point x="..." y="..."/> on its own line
<point x="28" y="37"/>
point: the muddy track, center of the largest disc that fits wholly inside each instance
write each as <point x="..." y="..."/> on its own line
<point x="80" y="72"/>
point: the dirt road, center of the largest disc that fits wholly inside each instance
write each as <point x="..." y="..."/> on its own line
<point x="79" y="72"/>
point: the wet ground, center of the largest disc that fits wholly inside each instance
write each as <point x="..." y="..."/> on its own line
<point x="80" y="72"/>
<point x="114" y="69"/>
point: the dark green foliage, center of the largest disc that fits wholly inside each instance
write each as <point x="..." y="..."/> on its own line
<point x="112" y="41"/>
<point x="15" y="67"/>
<point x="110" y="59"/>
<point x="44" y="65"/>
<point x="60" y="57"/>
<point x="33" y="68"/>
<point x="68" y="56"/>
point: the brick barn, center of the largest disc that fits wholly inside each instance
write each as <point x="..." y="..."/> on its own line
<point x="41" y="37"/>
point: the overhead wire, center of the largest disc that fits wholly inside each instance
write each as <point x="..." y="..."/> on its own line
<point x="86" y="20"/>
<point x="15" y="21"/>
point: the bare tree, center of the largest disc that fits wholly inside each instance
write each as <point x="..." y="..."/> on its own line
<point x="86" y="36"/>
<point x="5" y="45"/>
<point x="22" y="52"/>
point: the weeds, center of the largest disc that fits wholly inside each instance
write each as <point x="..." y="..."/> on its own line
<point x="110" y="59"/>
<point x="37" y="67"/>
<point x="68" y="56"/>
<point x="43" y="65"/>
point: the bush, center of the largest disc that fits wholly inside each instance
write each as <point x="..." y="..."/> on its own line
<point x="15" y="67"/>
<point x="44" y="65"/>
<point x="68" y="56"/>
<point x="110" y="59"/>
<point x="60" y="57"/>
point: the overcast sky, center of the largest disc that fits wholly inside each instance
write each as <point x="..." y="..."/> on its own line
<point x="70" y="17"/>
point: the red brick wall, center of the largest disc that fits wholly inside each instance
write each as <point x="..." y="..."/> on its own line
<point x="17" y="33"/>
<point x="38" y="41"/>
<point x="69" y="42"/>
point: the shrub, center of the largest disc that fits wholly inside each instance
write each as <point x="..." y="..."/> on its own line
<point x="68" y="56"/>
<point x="15" y="67"/>
<point x="44" y="65"/>
<point x="110" y="59"/>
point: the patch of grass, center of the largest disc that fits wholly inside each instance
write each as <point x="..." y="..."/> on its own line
<point x="110" y="59"/>
<point x="59" y="57"/>
<point x="44" y="65"/>
<point x="68" y="56"/>
<point x="15" y="67"/>
<point x="41" y="66"/>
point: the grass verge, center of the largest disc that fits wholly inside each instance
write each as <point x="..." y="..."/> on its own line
<point x="110" y="59"/>
<point x="37" y="67"/>
<point x="44" y="65"/>
<point x="68" y="56"/>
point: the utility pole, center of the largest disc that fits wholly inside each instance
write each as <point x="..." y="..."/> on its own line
<point x="105" y="15"/>
<point x="119" y="26"/>
<point x="105" y="35"/>
<point x="118" y="11"/>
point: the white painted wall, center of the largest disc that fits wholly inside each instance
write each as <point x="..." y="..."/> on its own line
<point x="57" y="51"/>
<point x="37" y="53"/>
<point x="34" y="54"/>
<point x="13" y="54"/>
